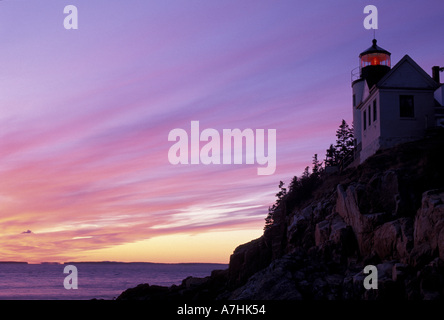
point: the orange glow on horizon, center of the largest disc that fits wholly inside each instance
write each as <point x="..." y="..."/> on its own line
<point x="207" y="247"/>
<point x="211" y="247"/>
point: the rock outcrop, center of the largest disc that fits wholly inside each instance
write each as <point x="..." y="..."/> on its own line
<point x="388" y="212"/>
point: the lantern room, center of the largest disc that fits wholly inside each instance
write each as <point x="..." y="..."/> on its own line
<point x="374" y="56"/>
<point x="374" y="63"/>
<point x="375" y="59"/>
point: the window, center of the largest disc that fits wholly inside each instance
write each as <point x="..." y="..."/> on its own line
<point x="365" y="120"/>
<point x="374" y="110"/>
<point x="406" y="106"/>
<point x="354" y="100"/>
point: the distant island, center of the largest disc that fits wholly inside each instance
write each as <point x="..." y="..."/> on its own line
<point x="113" y="262"/>
<point x="141" y="262"/>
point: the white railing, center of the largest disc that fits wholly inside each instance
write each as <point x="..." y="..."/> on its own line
<point x="355" y="74"/>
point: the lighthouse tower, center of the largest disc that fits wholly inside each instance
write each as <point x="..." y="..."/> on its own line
<point x="374" y="63"/>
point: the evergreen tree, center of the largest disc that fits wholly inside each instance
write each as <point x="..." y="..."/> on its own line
<point x="282" y="191"/>
<point x="294" y="184"/>
<point x="317" y="166"/>
<point x="269" y="220"/>
<point x="344" y="142"/>
<point x="331" y="158"/>
<point x="306" y="173"/>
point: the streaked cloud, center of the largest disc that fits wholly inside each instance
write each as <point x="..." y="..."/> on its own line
<point x="85" y="115"/>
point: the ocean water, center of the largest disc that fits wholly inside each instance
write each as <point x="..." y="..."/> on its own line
<point x="95" y="280"/>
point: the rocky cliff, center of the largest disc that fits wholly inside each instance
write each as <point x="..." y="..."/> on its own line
<point x="387" y="212"/>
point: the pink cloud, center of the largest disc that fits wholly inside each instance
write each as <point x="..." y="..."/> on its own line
<point x="86" y="116"/>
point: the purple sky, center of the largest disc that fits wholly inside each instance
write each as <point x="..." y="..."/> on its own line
<point x="85" y="115"/>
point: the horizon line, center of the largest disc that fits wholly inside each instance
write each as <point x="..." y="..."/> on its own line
<point x="105" y="261"/>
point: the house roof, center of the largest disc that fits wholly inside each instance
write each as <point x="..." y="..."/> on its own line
<point x="407" y="74"/>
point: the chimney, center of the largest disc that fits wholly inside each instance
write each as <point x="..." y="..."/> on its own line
<point x="435" y="73"/>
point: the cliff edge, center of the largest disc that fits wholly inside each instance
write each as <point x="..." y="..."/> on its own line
<point x="387" y="212"/>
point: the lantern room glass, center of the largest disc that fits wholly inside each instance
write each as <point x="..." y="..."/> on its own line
<point x="375" y="59"/>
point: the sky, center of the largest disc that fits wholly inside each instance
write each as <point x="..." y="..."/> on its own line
<point x="85" y="115"/>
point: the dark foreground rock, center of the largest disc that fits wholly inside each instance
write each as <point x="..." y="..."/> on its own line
<point x="388" y="212"/>
<point x="191" y="288"/>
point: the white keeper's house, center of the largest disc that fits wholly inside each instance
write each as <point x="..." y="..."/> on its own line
<point x="393" y="105"/>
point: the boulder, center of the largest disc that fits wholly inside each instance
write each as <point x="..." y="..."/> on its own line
<point x="191" y="282"/>
<point x="394" y="239"/>
<point x="399" y="271"/>
<point x="274" y="282"/>
<point x="144" y="291"/>
<point x="363" y="225"/>
<point x="431" y="280"/>
<point x="429" y="225"/>
<point x="299" y="226"/>
<point x="322" y="232"/>
<point x="248" y="259"/>
<point x="333" y="229"/>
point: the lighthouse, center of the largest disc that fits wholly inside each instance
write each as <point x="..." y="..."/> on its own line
<point x="391" y="105"/>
